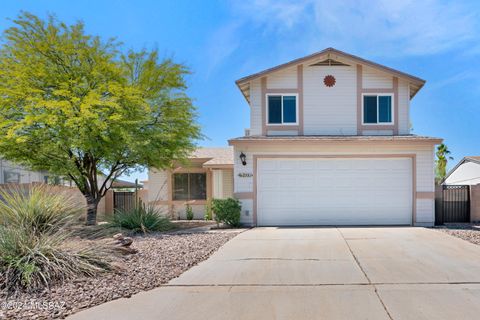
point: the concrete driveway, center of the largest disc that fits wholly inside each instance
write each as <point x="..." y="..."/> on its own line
<point x="319" y="273"/>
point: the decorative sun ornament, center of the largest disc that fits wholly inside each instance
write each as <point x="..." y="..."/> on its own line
<point x="329" y="80"/>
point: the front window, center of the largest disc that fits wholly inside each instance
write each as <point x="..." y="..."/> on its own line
<point x="189" y="186"/>
<point x="282" y="109"/>
<point x="377" y="109"/>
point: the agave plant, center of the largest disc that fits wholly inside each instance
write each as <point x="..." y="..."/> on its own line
<point x="141" y="219"/>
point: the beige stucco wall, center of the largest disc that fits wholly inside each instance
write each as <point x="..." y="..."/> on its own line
<point x="475" y="203"/>
<point x="425" y="215"/>
<point x="227" y="184"/>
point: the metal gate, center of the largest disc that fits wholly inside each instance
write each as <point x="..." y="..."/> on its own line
<point x="123" y="200"/>
<point x="454" y="204"/>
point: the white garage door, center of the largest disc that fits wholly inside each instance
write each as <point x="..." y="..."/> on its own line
<point x="334" y="191"/>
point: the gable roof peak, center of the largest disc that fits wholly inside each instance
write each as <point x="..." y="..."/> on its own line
<point x="415" y="82"/>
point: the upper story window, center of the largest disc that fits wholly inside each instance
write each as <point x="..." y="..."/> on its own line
<point x="282" y="109"/>
<point x="377" y="109"/>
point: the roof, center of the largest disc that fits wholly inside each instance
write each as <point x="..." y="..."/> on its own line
<point x="124" y="184"/>
<point x="474" y="159"/>
<point x="416" y="82"/>
<point x="338" y="138"/>
<point x="214" y="157"/>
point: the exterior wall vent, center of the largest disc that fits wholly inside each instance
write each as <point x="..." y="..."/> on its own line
<point x="329" y="62"/>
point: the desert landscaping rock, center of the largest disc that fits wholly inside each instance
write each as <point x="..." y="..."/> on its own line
<point x="160" y="258"/>
<point x="468" y="232"/>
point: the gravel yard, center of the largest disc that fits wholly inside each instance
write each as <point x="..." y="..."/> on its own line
<point x="160" y="258"/>
<point x="465" y="231"/>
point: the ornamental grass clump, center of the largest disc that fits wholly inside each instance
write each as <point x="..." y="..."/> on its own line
<point x="36" y="245"/>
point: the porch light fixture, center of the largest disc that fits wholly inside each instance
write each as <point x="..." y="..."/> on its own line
<point x="243" y="158"/>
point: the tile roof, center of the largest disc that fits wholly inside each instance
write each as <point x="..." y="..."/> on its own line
<point x="217" y="156"/>
<point x="124" y="184"/>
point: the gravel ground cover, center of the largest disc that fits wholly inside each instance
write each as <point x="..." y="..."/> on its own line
<point x="160" y="258"/>
<point x="465" y="231"/>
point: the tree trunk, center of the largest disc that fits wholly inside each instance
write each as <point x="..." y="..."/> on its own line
<point x="92" y="205"/>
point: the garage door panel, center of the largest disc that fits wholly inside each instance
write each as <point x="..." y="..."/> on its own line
<point x="334" y="191"/>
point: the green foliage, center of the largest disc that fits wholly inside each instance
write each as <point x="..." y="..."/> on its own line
<point x="227" y="211"/>
<point x="208" y="211"/>
<point x="141" y="219"/>
<point x="38" y="208"/>
<point x="36" y="249"/>
<point x="33" y="261"/>
<point x="441" y="162"/>
<point x="189" y="212"/>
<point x="75" y="105"/>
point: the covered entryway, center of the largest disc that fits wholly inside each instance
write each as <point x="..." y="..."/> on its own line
<point x="334" y="191"/>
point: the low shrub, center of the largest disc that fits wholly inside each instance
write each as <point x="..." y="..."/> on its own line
<point x="141" y="219"/>
<point x="38" y="208"/>
<point x="189" y="212"/>
<point x="227" y="211"/>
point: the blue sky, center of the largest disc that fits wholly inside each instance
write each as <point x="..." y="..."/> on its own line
<point x="222" y="41"/>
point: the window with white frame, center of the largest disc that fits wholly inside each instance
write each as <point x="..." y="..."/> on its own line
<point x="377" y="109"/>
<point x="282" y="109"/>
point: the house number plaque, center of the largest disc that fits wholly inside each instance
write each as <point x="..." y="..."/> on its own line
<point x="245" y="175"/>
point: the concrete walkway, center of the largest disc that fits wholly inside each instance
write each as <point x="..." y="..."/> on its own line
<point x="319" y="273"/>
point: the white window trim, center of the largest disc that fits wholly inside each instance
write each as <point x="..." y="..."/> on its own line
<point x="378" y="113"/>
<point x="282" y="95"/>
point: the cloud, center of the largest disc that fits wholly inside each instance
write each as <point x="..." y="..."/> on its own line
<point x="221" y="45"/>
<point x="376" y="27"/>
<point x="273" y="15"/>
<point x="467" y="75"/>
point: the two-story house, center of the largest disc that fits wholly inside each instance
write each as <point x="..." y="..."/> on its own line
<point x="329" y="143"/>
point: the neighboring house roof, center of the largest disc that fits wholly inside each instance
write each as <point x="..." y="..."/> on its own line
<point x="214" y="157"/>
<point x="124" y="184"/>
<point x="339" y="138"/>
<point x="471" y="159"/>
<point x="415" y="83"/>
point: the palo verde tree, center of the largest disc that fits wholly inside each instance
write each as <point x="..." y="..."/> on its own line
<point x="442" y="154"/>
<point x="76" y="106"/>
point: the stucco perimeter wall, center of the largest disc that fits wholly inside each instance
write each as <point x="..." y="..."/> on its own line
<point x="475" y="203"/>
<point x="423" y="155"/>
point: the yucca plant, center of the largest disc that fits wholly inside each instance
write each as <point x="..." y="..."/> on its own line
<point x="38" y="208"/>
<point x="36" y="245"/>
<point x="34" y="261"/>
<point x="141" y="220"/>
